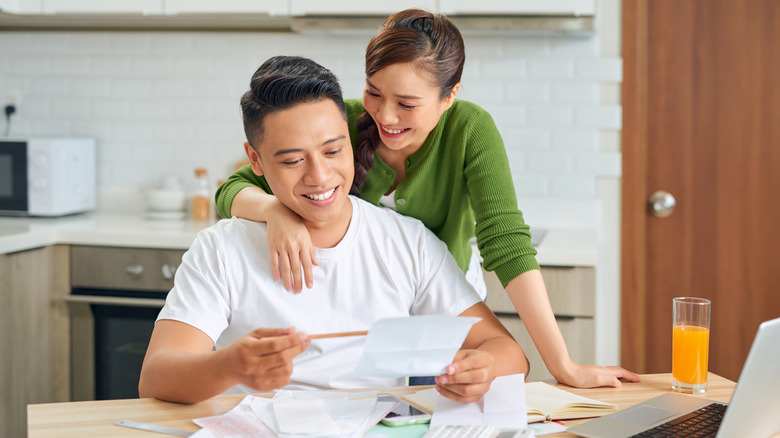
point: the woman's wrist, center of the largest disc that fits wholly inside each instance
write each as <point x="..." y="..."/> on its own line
<point x="564" y="369"/>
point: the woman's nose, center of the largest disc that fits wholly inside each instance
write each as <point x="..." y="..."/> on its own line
<point x="386" y="114"/>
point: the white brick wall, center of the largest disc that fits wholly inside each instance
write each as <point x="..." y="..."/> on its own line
<point x="162" y="103"/>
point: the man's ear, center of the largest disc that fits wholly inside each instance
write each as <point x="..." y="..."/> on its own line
<point x="254" y="158"/>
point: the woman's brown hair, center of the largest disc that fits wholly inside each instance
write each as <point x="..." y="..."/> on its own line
<point x="432" y="43"/>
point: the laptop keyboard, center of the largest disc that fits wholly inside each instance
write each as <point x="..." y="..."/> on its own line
<point x="702" y="423"/>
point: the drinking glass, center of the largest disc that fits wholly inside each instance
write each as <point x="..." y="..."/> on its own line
<point x="690" y="344"/>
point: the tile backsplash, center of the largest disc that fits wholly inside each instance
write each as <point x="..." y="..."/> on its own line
<point x="163" y="103"/>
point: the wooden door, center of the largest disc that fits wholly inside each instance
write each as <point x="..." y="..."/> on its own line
<point x="701" y="120"/>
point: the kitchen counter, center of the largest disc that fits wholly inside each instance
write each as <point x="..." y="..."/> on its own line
<point x="103" y="229"/>
<point x="560" y="247"/>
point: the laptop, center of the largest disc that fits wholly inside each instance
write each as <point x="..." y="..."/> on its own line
<point x="754" y="410"/>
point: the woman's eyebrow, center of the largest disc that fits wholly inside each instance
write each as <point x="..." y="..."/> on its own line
<point x="400" y="96"/>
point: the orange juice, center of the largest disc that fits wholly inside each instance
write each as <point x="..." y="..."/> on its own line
<point x="690" y="348"/>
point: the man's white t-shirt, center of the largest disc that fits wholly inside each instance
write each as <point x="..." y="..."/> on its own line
<point x="387" y="265"/>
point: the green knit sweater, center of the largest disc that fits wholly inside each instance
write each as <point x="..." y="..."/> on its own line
<point x="460" y="177"/>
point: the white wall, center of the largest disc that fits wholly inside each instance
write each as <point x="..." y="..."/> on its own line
<point x="163" y="103"/>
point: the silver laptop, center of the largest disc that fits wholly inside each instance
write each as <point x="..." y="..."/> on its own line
<point x="754" y="410"/>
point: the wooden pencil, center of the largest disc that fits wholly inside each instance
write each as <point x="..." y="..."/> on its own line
<point x="339" y="335"/>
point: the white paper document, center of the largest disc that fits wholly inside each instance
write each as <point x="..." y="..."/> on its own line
<point x="238" y="422"/>
<point x="303" y="417"/>
<point x="297" y="414"/>
<point x="412" y="346"/>
<point x="319" y="413"/>
<point x="503" y="406"/>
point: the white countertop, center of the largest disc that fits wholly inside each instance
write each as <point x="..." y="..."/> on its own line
<point x="560" y="247"/>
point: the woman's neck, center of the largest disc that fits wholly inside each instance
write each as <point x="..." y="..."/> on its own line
<point x="396" y="158"/>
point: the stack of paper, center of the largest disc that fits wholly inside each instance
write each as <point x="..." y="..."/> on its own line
<point x="296" y="414"/>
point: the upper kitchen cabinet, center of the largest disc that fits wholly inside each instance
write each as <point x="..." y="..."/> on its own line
<point x="337" y="16"/>
<point x="356" y="7"/>
<point x="270" y="7"/>
<point x="21" y="6"/>
<point x="145" y="7"/>
<point x="518" y="7"/>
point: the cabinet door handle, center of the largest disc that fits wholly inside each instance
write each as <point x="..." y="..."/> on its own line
<point x="564" y="317"/>
<point x="135" y="270"/>
<point x="168" y="271"/>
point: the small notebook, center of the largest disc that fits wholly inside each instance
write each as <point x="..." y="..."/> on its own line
<point x="545" y="403"/>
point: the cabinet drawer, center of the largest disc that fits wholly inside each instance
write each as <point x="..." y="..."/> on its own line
<point x="579" y="334"/>
<point x="571" y="291"/>
<point x="124" y="268"/>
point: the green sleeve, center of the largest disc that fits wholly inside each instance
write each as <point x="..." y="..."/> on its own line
<point x="241" y="178"/>
<point x="503" y="237"/>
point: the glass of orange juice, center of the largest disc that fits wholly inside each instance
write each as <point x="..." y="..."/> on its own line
<point x="690" y="344"/>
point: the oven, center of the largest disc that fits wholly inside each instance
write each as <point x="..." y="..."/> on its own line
<point x="116" y="294"/>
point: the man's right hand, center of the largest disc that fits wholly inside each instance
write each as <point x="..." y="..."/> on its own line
<point x="262" y="359"/>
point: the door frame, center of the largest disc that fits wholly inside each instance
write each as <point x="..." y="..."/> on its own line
<point x="633" y="289"/>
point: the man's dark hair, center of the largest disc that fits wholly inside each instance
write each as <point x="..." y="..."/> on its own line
<point x="281" y="83"/>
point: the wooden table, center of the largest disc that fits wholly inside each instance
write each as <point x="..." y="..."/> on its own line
<point x="96" y="418"/>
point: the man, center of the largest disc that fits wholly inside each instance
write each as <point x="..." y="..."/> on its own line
<point x="373" y="264"/>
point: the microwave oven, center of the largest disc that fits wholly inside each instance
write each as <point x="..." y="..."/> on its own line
<point x="47" y="176"/>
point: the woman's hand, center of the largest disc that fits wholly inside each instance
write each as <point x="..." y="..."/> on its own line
<point x="593" y="376"/>
<point x="469" y="376"/>
<point x="289" y="244"/>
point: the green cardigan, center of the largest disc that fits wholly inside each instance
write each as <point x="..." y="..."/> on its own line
<point x="458" y="178"/>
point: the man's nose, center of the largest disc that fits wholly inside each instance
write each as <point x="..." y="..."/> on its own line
<point x="319" y="172"/>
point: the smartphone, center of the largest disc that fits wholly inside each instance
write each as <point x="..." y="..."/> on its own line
<point x="403" y="414"/>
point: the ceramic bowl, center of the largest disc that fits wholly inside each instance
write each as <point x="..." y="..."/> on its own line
<point x="165" y="200"/>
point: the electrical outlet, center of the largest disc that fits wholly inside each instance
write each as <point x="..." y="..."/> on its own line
<point x="13" y="97"/>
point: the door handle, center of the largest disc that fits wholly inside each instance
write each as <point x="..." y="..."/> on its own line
<point x="661" y="203"/>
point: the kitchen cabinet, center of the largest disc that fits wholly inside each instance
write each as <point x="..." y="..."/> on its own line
<point x="270" y="7"/>
<point x="517" y="7"/>
<point x="356" y="7"/>
<point x="305" y="16"/>
<point x="34" y="364"/>
<point x="572" y="296"/>
<point x="145" y="7"/>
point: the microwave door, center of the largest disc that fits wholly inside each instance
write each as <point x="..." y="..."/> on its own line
<point x="13" y="177"/>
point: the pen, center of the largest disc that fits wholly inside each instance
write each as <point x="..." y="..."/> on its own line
<point x="339" y="335"/>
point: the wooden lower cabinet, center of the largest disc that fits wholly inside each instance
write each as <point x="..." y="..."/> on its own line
<point x="35" y="341"/>
<point x="579" y="335"/>
<point x="572" y="296"/>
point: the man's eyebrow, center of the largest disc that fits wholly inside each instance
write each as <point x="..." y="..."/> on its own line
<point x="286" y="151"/>
<point x="334" y="139"/>
<point x="401" y="96"/>
<point x="298" y="150"/>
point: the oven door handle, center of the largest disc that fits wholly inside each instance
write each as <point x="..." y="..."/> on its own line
<point x="115" y="301"/>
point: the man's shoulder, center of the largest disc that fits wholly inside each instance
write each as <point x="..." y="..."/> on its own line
<point x="234" y="228"/>
<point x="377" y="216"/>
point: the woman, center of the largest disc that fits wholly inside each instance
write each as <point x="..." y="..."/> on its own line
<point x="434" y="158"/>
